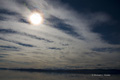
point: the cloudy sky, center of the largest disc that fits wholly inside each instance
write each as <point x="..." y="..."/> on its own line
<point x="80" y="34"/>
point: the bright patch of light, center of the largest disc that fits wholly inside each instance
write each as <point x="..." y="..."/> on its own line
<point x="36" y="18"/>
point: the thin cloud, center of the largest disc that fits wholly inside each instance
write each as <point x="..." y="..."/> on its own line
<point x="54" y="48"/>
<point x="59" y="24"/>
<point x="64" y="40"/>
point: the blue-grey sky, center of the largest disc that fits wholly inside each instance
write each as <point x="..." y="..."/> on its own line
<point x="78" y="34"/>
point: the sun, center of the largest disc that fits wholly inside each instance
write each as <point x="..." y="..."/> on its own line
<point x="36" y="18"/>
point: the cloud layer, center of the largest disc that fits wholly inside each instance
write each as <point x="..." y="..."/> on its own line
<point x="64" y="40"/>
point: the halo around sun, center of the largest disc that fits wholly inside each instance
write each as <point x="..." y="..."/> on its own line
<point x="36" y="18"/>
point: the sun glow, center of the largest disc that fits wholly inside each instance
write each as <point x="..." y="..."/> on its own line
<point x="36" y="18"/>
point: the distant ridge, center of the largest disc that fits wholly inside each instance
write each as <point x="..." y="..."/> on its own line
<point x="75" y="71"/>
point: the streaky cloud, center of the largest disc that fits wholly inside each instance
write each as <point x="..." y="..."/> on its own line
<point x="2" y="18"/>
<point x="5" y="31"/>
<point x="54" y="48"/>
<point x="8" y="12"/>
<point x="19" y="43"/>
<point x="66" y="28"/>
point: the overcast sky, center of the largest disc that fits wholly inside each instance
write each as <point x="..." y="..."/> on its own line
<point x="75" y="34"/>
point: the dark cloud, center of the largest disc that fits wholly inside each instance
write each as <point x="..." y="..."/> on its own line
<point x="99" y="65"/>
<point x="26" y="3"/>
<point x="39" y="38"/>
<point x="6" y="31"/>
<point x="9" y="48"/>
<point x="8" y="12"/>
<point x="61" y="25"/>
<point x="10" y="31"/>
<point x="5" y="12"/>
<point x="65" y="44"/>
<point x="19" y="43"/>
<point x="24" y="44"/>
<point x="22" y="2"/>
<point x="11" y="13"/>
<point x="54" y="48"/>
<point x="91" y="54"/>
<point x="21" y="54"/>
<point x="18" y="62"/>
<point x="23" y="21"/>
<point x="2" y="18"/>
<point x="3" y="55"/>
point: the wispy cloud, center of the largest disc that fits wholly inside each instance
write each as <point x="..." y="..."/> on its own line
<point x="64" y="40"/>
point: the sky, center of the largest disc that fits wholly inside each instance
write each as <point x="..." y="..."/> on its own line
<point x="75" y="34"/>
